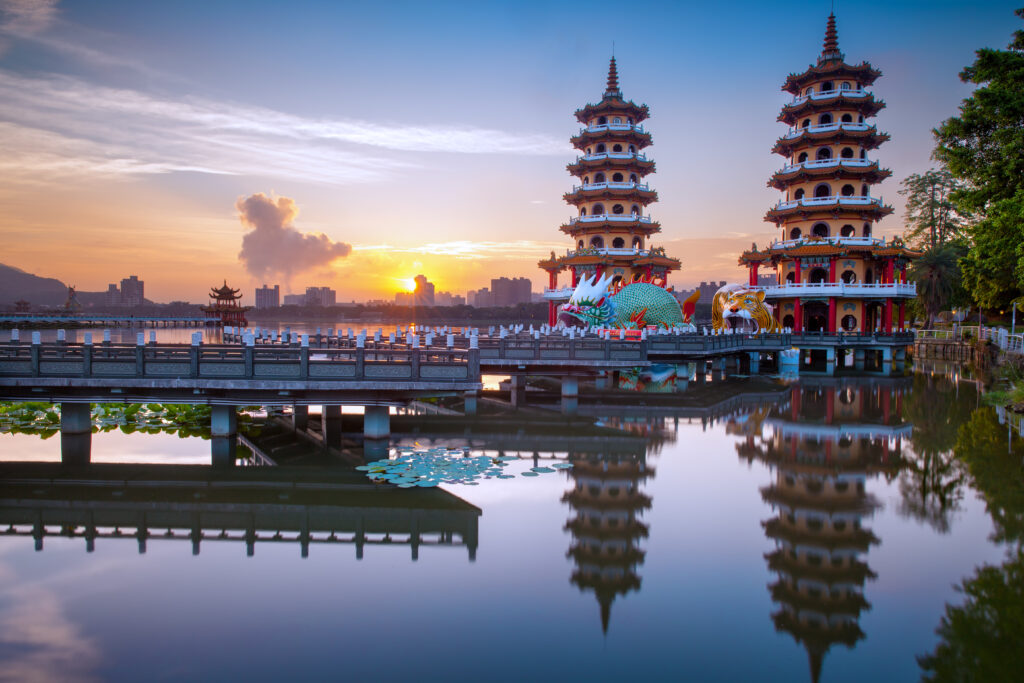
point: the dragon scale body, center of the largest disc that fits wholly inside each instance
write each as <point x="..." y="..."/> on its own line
<point x="640" y="303"/>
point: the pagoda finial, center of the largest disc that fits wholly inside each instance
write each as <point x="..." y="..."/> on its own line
<point x="613" y="81"/>
<point x="830" y="49"/>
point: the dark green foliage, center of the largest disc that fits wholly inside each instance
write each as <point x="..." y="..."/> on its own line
<point x="932" y="219"/>
<point x="938" y="277"/>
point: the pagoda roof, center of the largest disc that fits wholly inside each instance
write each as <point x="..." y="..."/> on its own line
<point x="824" y="503"/>
<point x="831" y="65"/>
<point x="819" y="246"/>
<point x="630" y="530"/>
<point x="859" y="539"/>
<point x="607" y="192"/>
<point x="857" y="572"/>
<point x="645" y="228"/>
<point x="597" y="162"/>
<point x="838" y="207"/>
<point x="612" y="102"/>
<point x="862" y="102"/>
<point x="797" y="173"/>
<point x="867" y="136"/>
<point x="851" y="603"/>
<point x="630" y="134"/>
<point x="225" y="292"/>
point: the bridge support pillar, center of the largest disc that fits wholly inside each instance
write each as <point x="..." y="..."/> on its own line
<point x="75" y="433"/>
<point x="601" y="381"/>
<point x="830" y="360"/>
<point x="755" y="362"/>
<point x="330" y="423"/>
<point x="570" y="395"/>
<point x="469" y="403"/>
<point x="700" y="372"/>
<point x="887" y="360"/>
<point x="517" y="384"/>
<point x="376" y="422"/>
<point x="300" y="418"/>
<point x="223" y="435"/>
<point x="858" y="359"/>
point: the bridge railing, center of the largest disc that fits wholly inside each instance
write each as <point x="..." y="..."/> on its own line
<point x="170" y="361"/>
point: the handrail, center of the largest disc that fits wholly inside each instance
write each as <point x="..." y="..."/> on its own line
<point x="828" y="128"/>
<point x="849" y="241"/>
<point x="840" y="288"/>
<point x="643" y="187"/>
<point x="623" y="217"/>
<point x="612" y="155"/>
<point x="826" y="163"/>
<point x="613" y="126"/>
<point x="829" y="94"/>
<point x="832" y="199"/>
<point x="608" y="251"/>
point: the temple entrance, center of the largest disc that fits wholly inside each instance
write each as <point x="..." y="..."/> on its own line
<point x="818" y="275"/>
<point x="816" y="317"/>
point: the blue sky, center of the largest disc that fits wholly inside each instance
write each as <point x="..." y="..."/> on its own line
<point x="432" y="137"/>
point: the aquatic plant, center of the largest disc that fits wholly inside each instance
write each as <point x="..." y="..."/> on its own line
<point x="429" y="467"/>
<point x="43" y="419"/>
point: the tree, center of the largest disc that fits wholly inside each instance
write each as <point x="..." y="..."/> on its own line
<point x="984" y="146"/>
<point x="938" y="278"/>
<point x="931" y="216"/>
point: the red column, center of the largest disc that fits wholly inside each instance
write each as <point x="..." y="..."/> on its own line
<point x="575" y="281"/>
<point x="887" y="317"/>
<point x="890" y="271"/>
<point x="794" y="403"/>
<point x="886" y="406"/>
<point x="796" y="276"/>
<point x="552" y="314"/>
<point x="903" y="273"/>
<point x="831" y="315"/>
<point x="648" y="270"/>
<point x="830" y="395"/>
<point x="832" y="270"/>
<point x="798" y="316"/>
<point x="753" y="273"/>
<point x="552" y="279"/>
<point x="901" y="314"/>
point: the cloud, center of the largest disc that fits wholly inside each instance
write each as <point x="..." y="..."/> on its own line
<point x="26" y="17"/>
<point x="154" y="134"/>
<point x="275" y="247"/>
<point x="469" y="249"/>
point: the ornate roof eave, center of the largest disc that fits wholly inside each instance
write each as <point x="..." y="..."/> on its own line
<point x="872" y="174"/>
<point x="631" y="164"/>
<point x="872" y="213"/>
<point x="604" y="226"/>
<point x="613" y="105"/>
<point x="868" y="139"/>
<point x="867" y="106"/>
<point x="584" y="138"/>
<point x="644" y="197"/>
<point x="863" y="73"/>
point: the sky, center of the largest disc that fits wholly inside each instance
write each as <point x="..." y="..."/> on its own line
<point x="356" y="145"/>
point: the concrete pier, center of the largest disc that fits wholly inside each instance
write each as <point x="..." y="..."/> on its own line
<point x="330" y="422"/>
<point x="75" y="433"/>
<point x="469" y="403"/>
<point x="300" y="418"/>
<point x="517" y="384"/>
<point x="376" y="422"/>
<point x="755" y="362"/>
<point x="570" y="395"/>
<point x="223" y="435"/>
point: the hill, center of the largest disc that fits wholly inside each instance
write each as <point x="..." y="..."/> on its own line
<point x="16" y="284"/>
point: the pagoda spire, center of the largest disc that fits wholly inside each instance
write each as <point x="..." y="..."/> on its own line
<point x="830" y="49"/>
<point x="613" y="81"/>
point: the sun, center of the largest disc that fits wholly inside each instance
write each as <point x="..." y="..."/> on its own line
<point x="409" y="283"/>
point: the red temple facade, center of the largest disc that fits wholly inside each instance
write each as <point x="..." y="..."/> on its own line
<point x="224" y="307"/>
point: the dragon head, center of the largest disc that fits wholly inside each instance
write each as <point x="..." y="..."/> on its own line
<point x="589" y="303"/>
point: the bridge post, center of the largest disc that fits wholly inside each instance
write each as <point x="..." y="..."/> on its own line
<point x="830" y="360"/>
<point x="570" y="395"/>
<point x="469" y="406"/>
<point x="755" y="362"/>
<point x="473" y="371"/>
<point x="140" y="358"/>
<point x="223" y="435"/>
<point x="376" y="422"/>
<point x="858" y="359"/>
<point x="517" y="385"/>
<point x="249" y="352"/>
<point x="330" y="422"/>
<point x="193" y="354"/>
<point x="304" y="357"/>
<point x="87" y="355"/>
<point x="886" y="359"/>
<point x="36" y="344"/>
<point x="300" y="417"/>
<point x="75" y="433"/>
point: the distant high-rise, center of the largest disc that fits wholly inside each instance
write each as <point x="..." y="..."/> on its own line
<point x="113" y="295"/>
<point x="294" y="299"/>
<point x="320" y="296"/>
<point x="267" y="297"/>
<point x="506" y="292"/>
<point x="424" y="293"/>
<point x="480" y="298"/>
<point x="132" y="291"/>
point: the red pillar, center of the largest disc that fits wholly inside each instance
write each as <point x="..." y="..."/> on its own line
<point x="575" y="281"/>
<point x="887" y="317"/>
<point x="552" y="279"/>
<point x="552" y="314"/>
<point x="798" y="316"/>
<point x="830" y="395"/>
<point x="903" y="274"/>
<point x="794" y="404"/>
<point x="831" y="315"/>
<point x="832" y="270"/>
<point x="886" y="407"/>
<point x="796" y="276"/>
<point x="753" y="273"/>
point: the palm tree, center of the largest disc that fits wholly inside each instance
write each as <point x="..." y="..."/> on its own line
<point x="936" y="273"/>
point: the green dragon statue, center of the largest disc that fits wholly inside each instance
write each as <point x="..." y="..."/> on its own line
<point x="633" y="306"/>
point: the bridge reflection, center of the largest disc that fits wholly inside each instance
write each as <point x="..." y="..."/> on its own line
<point x="252" y="505"/>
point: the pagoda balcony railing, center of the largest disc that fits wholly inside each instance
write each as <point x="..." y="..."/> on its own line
<point x="842" y="241"/>
<point x="613" y="217"/>
<point x="643" y="187"/>
<point x="608" y="251"/>
<point x="612" y="155"/>
<point x="613" y="126"/>
<point x="825" y="201"/>
<point x="840" y="289"/>
<point x="828" y="163"/>
<point x="828" y="128"/>
<point x="829" y="94"/>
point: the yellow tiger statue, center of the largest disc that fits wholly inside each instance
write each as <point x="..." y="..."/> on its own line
<point x="741" y="310"/>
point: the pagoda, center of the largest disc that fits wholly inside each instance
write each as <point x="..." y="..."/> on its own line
<point x="823" y="446"/>
<point x="831" y="273"/>
<point x="611" y="230"/>
<point x="607" y="529"/>
<point x="224" y="307"/>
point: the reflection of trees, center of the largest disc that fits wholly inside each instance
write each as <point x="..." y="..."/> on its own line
<point x="980" y="639"/>
<point x="932" y="479"/>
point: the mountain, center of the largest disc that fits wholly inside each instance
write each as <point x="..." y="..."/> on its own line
<point x="16" y="284"/>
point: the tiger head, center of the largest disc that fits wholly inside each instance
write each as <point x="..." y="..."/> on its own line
<point x="742" y="311"/>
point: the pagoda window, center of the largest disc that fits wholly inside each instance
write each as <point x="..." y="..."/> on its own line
<point x="823" y="153"/>
<point x="849" y="190"/>
<point x="617" y="178"/>
<point x="845" y="86"/>
<point x="802" y="158"/>
<point x="599" y="178"/>
<point x="597" y="241"/>
<point x="818" y="275"/>
<point x="824" y="119"/>
<point x="617" y="148"/>
<point x="848" y="277"/>
<point x="849" y="323"/>
<point x="638" y="243"/>
<point x="847" y="118"/>
<point x="586" y="180"/>
<point x="820" y="230"/>
<point x="791" y="277"/>
<point x="635" y="210"/>
<point x="867" y="230"/>
<point x="827" y="86"/>
<point x="598" y="209"/>
<point x="633" y="178"/>
<point x="618" y="243"/>
<point x="847" y="153"/>
<point x="799" y="194"/>
<point x="860" y="118"/>
<point x="823" y="190"/>
<point x="788" y="321"/>
<point x="589" y="151"/>
<point x="794" y="234"/>
<point x="602" y="120"/>
<point x="841" y="487"/>
<point x="863" y="154"/>
<point x="630" y="120"/>
<point x="632" y="149"/>
<point x="616" y="120"/>
<point x="863" y="190"/>
<point x="601" y="148"/>
<point x="618" y="209"/>
<point x="847" y="231"/>
<point x="809" y="91"/>
<point x="806" y="123"/>
<point x="869" y="277"/>
<point x="581" y="244"/>
<point x="583" y="211"/>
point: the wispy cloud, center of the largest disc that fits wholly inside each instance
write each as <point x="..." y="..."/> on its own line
<point x="468" y="249"/>
<point x="26" y="17"/>
<point x="61" y="124"/>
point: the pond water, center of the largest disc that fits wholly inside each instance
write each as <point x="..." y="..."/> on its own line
<point x="815" y="530"/>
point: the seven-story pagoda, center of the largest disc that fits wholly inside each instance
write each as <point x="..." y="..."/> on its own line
<point x="832" y="275"/>
<point x="611" y="229"/>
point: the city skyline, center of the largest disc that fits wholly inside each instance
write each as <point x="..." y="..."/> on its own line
<point x="127" y="153"/>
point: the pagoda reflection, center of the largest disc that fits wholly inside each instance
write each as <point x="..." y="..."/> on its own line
<point x="823" y="445"/>
<point x="606" y="530"/>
